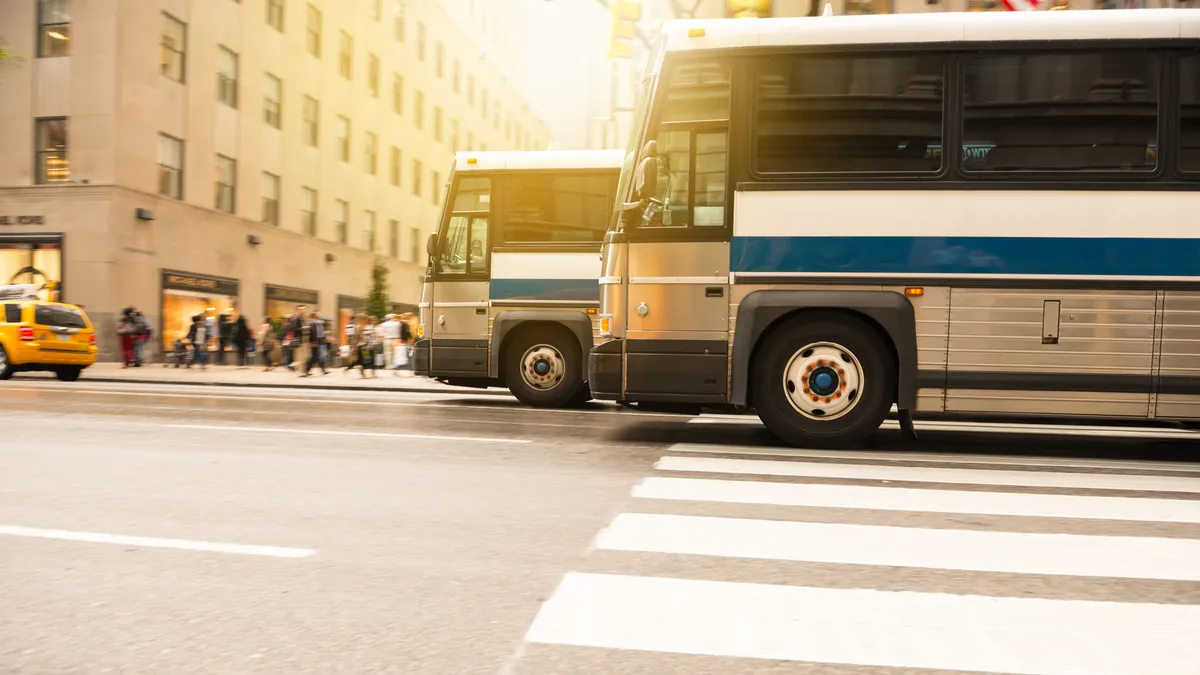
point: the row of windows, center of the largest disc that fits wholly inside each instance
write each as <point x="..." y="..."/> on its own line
<point x="1059" y="112"/>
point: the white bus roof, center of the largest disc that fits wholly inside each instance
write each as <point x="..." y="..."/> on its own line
<point x="540" y="160"/>
<point x="933" y="27"/>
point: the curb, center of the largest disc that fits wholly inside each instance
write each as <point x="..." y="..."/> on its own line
<point x="324" y="387"/>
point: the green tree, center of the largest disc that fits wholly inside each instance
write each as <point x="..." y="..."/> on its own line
<point x="377" y="299"/>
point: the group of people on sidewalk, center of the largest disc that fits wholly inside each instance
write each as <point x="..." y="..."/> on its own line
<point x="134" y="331"/>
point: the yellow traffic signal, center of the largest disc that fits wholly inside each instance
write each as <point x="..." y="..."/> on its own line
<point x="625" y="15"/>
<point x="748" y="9"/>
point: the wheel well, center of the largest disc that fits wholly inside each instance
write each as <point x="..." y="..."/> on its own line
<point x="814" y="314"/>
<point x="526" y="327"/>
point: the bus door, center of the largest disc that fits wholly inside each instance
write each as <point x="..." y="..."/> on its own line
<point x="458" y="328"/>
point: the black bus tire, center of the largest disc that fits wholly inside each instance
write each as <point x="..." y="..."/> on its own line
<point x="543" y="367"/>
<point x="825" y="381"/>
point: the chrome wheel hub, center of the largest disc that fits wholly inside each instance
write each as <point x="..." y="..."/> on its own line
<point x="543" y="367"/>
<point x="823" y="381"/>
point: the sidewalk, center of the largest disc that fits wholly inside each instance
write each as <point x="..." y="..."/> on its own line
<point x="231" y="376"/>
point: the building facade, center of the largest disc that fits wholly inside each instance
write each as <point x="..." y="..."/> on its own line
<point x="201" y="156"/>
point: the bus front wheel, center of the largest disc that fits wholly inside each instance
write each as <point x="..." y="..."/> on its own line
<point x="544" y="368"/>
<point x="824" y="381"/>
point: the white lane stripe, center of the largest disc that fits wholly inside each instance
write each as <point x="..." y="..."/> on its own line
<point x="1028" y="636"/>
<point x="331" y="432"/>
<point x="890" y="457"/>
<point x="924" y="474"/>
<point x="156" y="542"/>
<point x="977" y="551"/>
<point x="998" y="428"/>
<point x="920" y="500"/>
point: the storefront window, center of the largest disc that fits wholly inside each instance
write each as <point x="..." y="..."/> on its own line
<point x="39" y="264"/>
<point x="188" y="295"/>
<point x="282" y="302"/>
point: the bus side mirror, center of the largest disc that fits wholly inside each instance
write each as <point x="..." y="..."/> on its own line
<point x="431" y="245"/>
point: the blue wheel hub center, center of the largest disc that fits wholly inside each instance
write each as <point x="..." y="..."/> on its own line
<point x="541" y="367"/>
<point x="823" y="381"/>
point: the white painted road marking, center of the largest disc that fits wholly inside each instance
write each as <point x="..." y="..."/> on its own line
<point x="333" y="432"/>
<point x="1026" y="636"/>
<point x="893" y="456"/>
<point x="921" y="474"/>
<point x="155" y="542"/>
<point x="977" y="551"/>
<point x="920" y="500"/>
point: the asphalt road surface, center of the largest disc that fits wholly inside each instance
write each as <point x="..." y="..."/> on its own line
<point x="181" y="529"/>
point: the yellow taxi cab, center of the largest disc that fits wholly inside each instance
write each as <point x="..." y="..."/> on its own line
<point x="44" y="336"/>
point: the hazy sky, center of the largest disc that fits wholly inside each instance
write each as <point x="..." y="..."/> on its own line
<point x="565" y="58"/>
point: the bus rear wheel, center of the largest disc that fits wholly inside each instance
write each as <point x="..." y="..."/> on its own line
<point x="824" y="381"/>
<point x="544" y="368"/>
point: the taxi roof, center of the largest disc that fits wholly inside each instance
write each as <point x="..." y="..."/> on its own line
<point x="538" y="160"/>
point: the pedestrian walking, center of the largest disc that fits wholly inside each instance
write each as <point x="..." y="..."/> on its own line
<point x="268" y="341"/>
<point x="315" y="330"/>
<point x="198" y="337"/>
<point x="390" y="329"/>
<point x="224" y="337"/>
<point x="240" y="335"/>
<point x="127" y="330"/>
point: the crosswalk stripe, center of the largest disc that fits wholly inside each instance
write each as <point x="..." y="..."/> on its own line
<point x="977" y="551"/>
<point x="922" y="474"/>
<point x="918" y="499"/>
<point x="891" y="457"/>
<point x="867" y="627"/>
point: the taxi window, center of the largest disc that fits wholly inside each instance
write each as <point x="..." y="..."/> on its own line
<point x="56" y="315"/>
<point x="12" y="314"/>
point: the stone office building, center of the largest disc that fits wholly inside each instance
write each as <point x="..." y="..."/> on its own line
<point x="189" y="157"/>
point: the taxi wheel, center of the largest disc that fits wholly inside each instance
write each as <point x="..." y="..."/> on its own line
<point x="6" y="369"/>
<point x="68" y="373"/>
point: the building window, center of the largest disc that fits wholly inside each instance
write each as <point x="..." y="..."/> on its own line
<point x="394" y="238"/>
<point x="52" y="166"/>
<point x="420" y="42"/>
<point x="308" y="211"/>
<point x="453" y="135"/>
<point x="341" y="214"/>
<point x="470" y="142"/>
<point x="395" y="166"/>
<point x="54" y="28"/>
<point x="1066" y="112"/>
<point x="376" y="9"/>
<point x="437" y="188"/>
<point x="312" y="121"/>
<point x="508" y="129"/>
<point x="312" y="32"/>
<point x="868" y="7"/>
<point x="416" y="171"/>
<point x="368" y="231"/>
<point x="456" y="76"/>
<point x="275" y="14"/>
<point x="439" y="60"/>
<point x="398" y="23"/>
<point x="170" y="166"/>
<point x="373" y="75"/>
<point x="343" y="138"/>
<point x="419" y="110"/>
<point x="273" y="101"/>
<point x="1189" y="113"/>
<point x="470" y="89"/>
<point x="173" y="47"/>
<point x="226" y="183"/>
<point x="270" y="199"/>
<point x="414" y="245"/>
<point x="346" y="56"/>
<point x="818" y="115"/>
<point x="398" y="94"/>
<point x="437" y="123"/>
<point x="227" y="77"/>
<point x="484" y="102"/>
<point x="371" y="153"/>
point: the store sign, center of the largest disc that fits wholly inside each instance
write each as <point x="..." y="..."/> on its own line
<point x="182" y="281"/>
<point x="296" y="295"/>
<point x="22" y="220"/>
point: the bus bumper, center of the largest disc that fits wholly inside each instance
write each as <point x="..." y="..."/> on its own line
<point x="420" y="357"/>
<point x="605" y="371"/>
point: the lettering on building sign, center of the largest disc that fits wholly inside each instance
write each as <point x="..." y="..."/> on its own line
<point x="195" y="282"/>
<point x="22" y="220"/>
<point x="296" y="295"/>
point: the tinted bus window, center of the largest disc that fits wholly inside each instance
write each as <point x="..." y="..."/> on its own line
<point x="556" y="209"/>
<point x="1061" y="112"/>
<point x="816" y="114"/>
<point x="1189" y="117"/>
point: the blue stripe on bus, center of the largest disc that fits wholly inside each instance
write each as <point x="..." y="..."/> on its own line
<point x="968" y="255"/>
<point x="586" y="290"/>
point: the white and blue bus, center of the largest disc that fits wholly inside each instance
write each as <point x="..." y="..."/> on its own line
<point x="961" y="213"/>
<point x="511" y="296"/>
